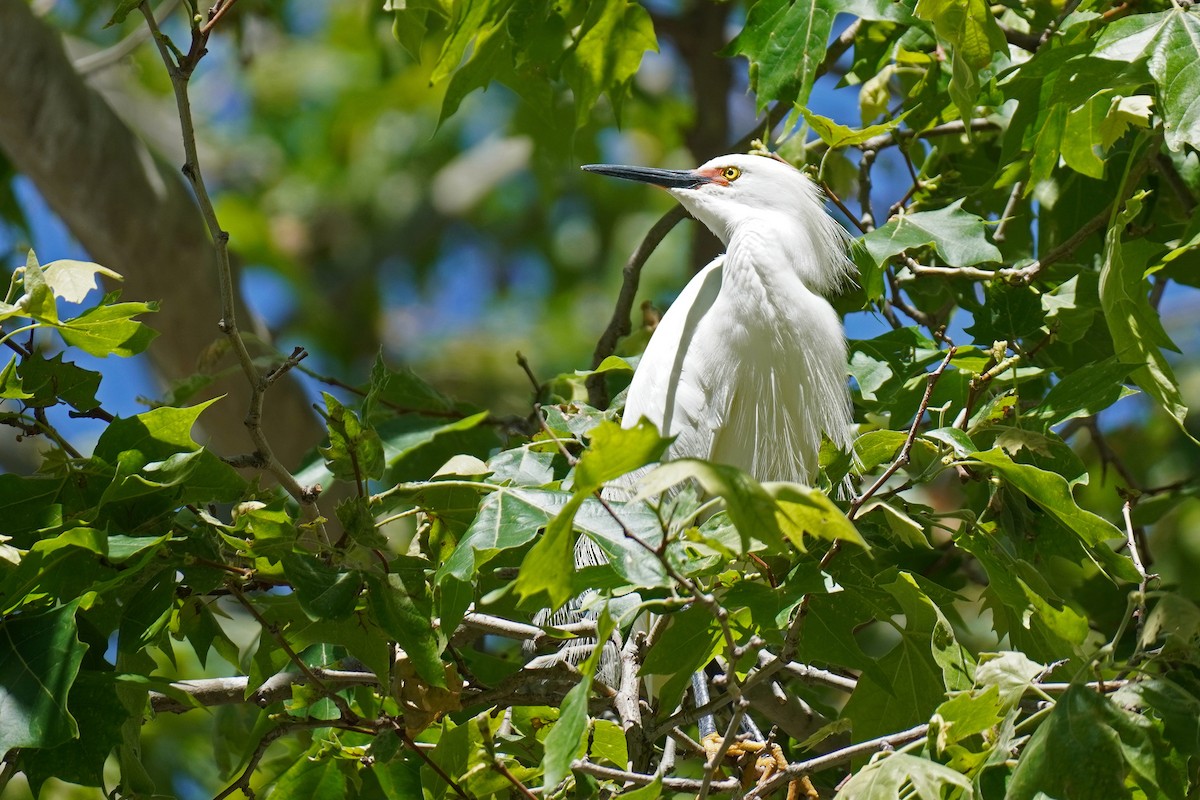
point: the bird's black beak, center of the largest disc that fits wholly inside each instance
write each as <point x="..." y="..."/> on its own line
<point x="666" y="178"/>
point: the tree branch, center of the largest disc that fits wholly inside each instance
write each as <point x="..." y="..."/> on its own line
<point x="180" y="72"/>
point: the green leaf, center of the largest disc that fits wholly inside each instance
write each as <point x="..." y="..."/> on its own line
<point x="968" y="26"/>
<point x="38" y="299"/>
<point x="875" y="448"/>
<point x="314" y="774"/>
<point x="72" y="280"/>
<point x="1011" y="672"/>
<point x="615" y="451"/>
<point x="40" y="656"/>
<point x="359" y="635"/>
<point x="1169" y="42"/>
<point x="966" y="714"/>
<point x="753" y="511"/>
<point x="957" y="235"/>
<point x="1053" y="494"/>
<point x="785" y="41"/>
<point x="1071" y="306"/>
<point x="566" y="740"/>
<point x="324" y="591"/>
<point x="355" y="452"/>
<point x="974" y="35"/>
<point x="1137" y="332"/>
<point x="99" y="714"/>
<point x="1024" y="608"/>
<point x="1088" y="747"/>
<point x="926" y="662"/>
<point x="1178" y="708"/>
<point x="123" y="10"/>
<point x="154" y="435"/>
<point x="400" y="391"/>
<point x="401" y="604"/>
<point x="29" y="503"/>
<point x="836" y="135"/>
<point x="506" y="519"/>
<point x="1007" y="313"/>
<point x="1084" y="392"/>
<point x="691" y="639"/>
<point x="10" y="383"/>
<point x="273" y="530"/>
<point x="887" y="777"/>
<point x="1081" y="140"/>
<point x="359" y="524"/>
<point x="110" y="329"/>
<point x="651" y="791"/>
<point x="608" y="50"/>
<point x="804" y="510"/>
<point x="49" y="380"/>
<point x="907" y="531"/>
<point x="549" y="564"/>
<point x="416" y="446"/>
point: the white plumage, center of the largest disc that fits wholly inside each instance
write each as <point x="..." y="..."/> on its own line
<point x="748" y="366"/>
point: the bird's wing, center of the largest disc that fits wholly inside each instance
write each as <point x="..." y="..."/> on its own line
<point x="666" y="388"/>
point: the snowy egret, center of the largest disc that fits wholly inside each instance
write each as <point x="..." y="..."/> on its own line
<point x="748" y="366"/>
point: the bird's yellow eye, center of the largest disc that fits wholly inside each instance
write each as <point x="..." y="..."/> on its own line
<point x="731" y="173"/>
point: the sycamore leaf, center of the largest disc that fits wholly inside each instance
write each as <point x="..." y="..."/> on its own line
<point x="1136" y="328"/>
<point x="1169" y="42"/>
<point x="614" y="36"/>
<point x="110" y="329"/>
<point x="957" y="235"/>
<point x="72" y="280"/>
<point x="40" y="656"/>
<point x="885" y="779"/>
<point x="836" y="135"/>
<point x="785" y="41"/>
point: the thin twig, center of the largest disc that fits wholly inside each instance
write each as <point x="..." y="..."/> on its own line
<point x="242" y="781"/>
<point x="619" y="324"/>
<point x="433" y="765"/>
<point x="313" y="678"/>
<point x="521" y="788"/>
<point x="641" y="779"/>
<point x="626" y="703"/>
<point x="1135" y="556"/>
<point x="715" y="759"/>
<point x="103" y="59"/>
<point x="906" y="450"/>
<point x="867" y="218"/>
<point x="1027" y="273"/>
<point x="215" y="14"/>
<point x="226" y="691"/>
<point x="1010" y="208"/>
<point x="180" y="69"/>
<point x="801" y="768"/>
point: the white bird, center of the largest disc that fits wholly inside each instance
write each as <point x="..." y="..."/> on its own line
<point x="748" y="366"/>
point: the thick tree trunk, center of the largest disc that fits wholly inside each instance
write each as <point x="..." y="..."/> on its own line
<point x="132" y="215"/>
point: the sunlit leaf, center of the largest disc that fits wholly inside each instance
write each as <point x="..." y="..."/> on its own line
<point x="39" y="659"/>
<point x="956" y="235"/>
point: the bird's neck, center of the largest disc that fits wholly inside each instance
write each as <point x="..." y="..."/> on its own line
<point x="778" y="242"/>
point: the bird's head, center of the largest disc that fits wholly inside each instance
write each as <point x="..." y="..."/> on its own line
<point x="734" y="190"/>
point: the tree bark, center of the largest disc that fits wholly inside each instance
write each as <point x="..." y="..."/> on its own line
<point x="135" y="216"/>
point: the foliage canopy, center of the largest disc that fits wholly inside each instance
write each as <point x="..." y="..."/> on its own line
<point x="1001" y="610"/>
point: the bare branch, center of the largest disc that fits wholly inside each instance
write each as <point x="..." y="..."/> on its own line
<point x="641" y="779"/>
<point x="802" y="768"/>
<point x="226" y="691"/>
<point x="906" y="450"/>
<point x="618" y="324"/>
<point x="180" y="71"/>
